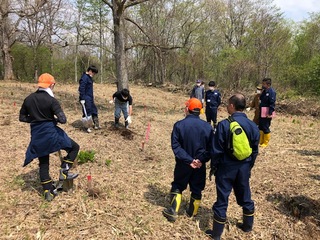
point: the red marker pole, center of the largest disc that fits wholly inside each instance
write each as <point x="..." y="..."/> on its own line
<point x="148" y="132"/>
<point x="89" y="183"/>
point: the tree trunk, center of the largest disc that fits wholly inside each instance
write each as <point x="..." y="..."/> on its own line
<point x="120" y="55"/>
<point x="7" y="62"/>
<point x="5" y="41"/>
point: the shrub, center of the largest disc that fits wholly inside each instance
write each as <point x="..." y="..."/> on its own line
<point x="86" y="156"/>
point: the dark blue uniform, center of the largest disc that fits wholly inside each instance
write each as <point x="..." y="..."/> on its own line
<point x="213" y="100"/>
<point x="233" y="174"/>
<point x="86" y="93"/>
<point x="191" y="139"/>
<point x="267" y="99"/>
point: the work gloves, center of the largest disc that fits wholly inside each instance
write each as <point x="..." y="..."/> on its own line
<point x="129" y="120"/>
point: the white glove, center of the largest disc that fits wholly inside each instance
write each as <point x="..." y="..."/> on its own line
<point x="82" y="101"/>
<point x="129" y="120"/>
<point x="111" y="101"/>
<point x="248" y="109"/>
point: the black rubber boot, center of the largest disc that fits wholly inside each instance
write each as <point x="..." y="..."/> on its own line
<point x="218" y="226"/>
<point x="193" y="207"/>
<point x="116" y="122"/>
<point x="96" y="123"/>
<point x="49" y="191"/>
<point x="171" y="213"/>
<point x="247" y="224"/>
<point x="49" y="195"/>
<point x="64" y="171"/>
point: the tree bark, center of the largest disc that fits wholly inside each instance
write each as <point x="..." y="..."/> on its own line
<point x="7" y="62"/>
<point x="5" y="41"/>
<point x="120" y="55"/>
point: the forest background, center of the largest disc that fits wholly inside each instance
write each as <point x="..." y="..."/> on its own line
<point x="162" y="43"/>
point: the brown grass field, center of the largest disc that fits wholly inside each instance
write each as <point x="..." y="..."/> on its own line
<point x="134" y="183"/>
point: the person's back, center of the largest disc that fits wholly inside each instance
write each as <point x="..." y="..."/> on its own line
<point x="190" y="141"/>
<point x="230" y="173"/>
<point x="192" y="134"/>
<point x="40" y="104"/>
<point x="43" y="112"/>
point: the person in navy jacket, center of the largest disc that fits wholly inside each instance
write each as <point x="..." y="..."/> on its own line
<point x="267" y="99"/>
<point x="190" y="141"/>
<point x="86" y="95"/>
<point x="231" y="174"/>
<point x="44" y="112"/>
<point x="212" y="100"/>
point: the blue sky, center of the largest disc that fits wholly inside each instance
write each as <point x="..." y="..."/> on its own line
<point x="298" y="10"/>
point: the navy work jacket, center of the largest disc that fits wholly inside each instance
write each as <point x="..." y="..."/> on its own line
<point x="268" y="99"/>
<point x="213" y="99"/>
<point x="86" y="88"/>
<point x="221" y="137"/>
<point x="191" y="139"/>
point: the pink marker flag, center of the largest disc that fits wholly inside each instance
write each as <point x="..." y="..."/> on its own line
<point x="148" y="132"/>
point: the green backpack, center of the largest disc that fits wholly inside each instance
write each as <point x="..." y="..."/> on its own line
<point x="238" y="143"/>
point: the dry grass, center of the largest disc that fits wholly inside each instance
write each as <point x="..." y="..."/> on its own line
<point x="134" y="184"/>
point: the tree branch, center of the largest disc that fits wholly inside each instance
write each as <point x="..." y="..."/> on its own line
<point x="108" y="3"/>
<point x="135" y="2"/>
<point x="133" y="22"/>
<point x="162" y="48"/>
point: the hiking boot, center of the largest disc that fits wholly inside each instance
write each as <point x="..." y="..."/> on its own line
<point x="65" y="174"/>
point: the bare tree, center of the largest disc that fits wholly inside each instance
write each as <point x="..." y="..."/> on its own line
<point x="11" y="14"/>
<point x="118" y="8"/>
<point x="38" y="29"/>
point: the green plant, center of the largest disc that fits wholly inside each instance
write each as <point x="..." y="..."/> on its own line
<point x="108" y="162"/>
<point x="86" y="156"/>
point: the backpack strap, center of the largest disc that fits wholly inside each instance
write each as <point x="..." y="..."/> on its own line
<point x="231" y="119"/>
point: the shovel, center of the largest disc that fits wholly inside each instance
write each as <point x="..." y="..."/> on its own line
<point x="87" y="120"/>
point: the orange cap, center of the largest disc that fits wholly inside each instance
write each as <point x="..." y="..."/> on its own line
<point x="194" y="104"/>
<point x="45" y="80"/>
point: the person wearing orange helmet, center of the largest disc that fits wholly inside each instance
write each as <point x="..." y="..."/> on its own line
<point x="44" y="112"/>
<point x="190" y="141"/>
